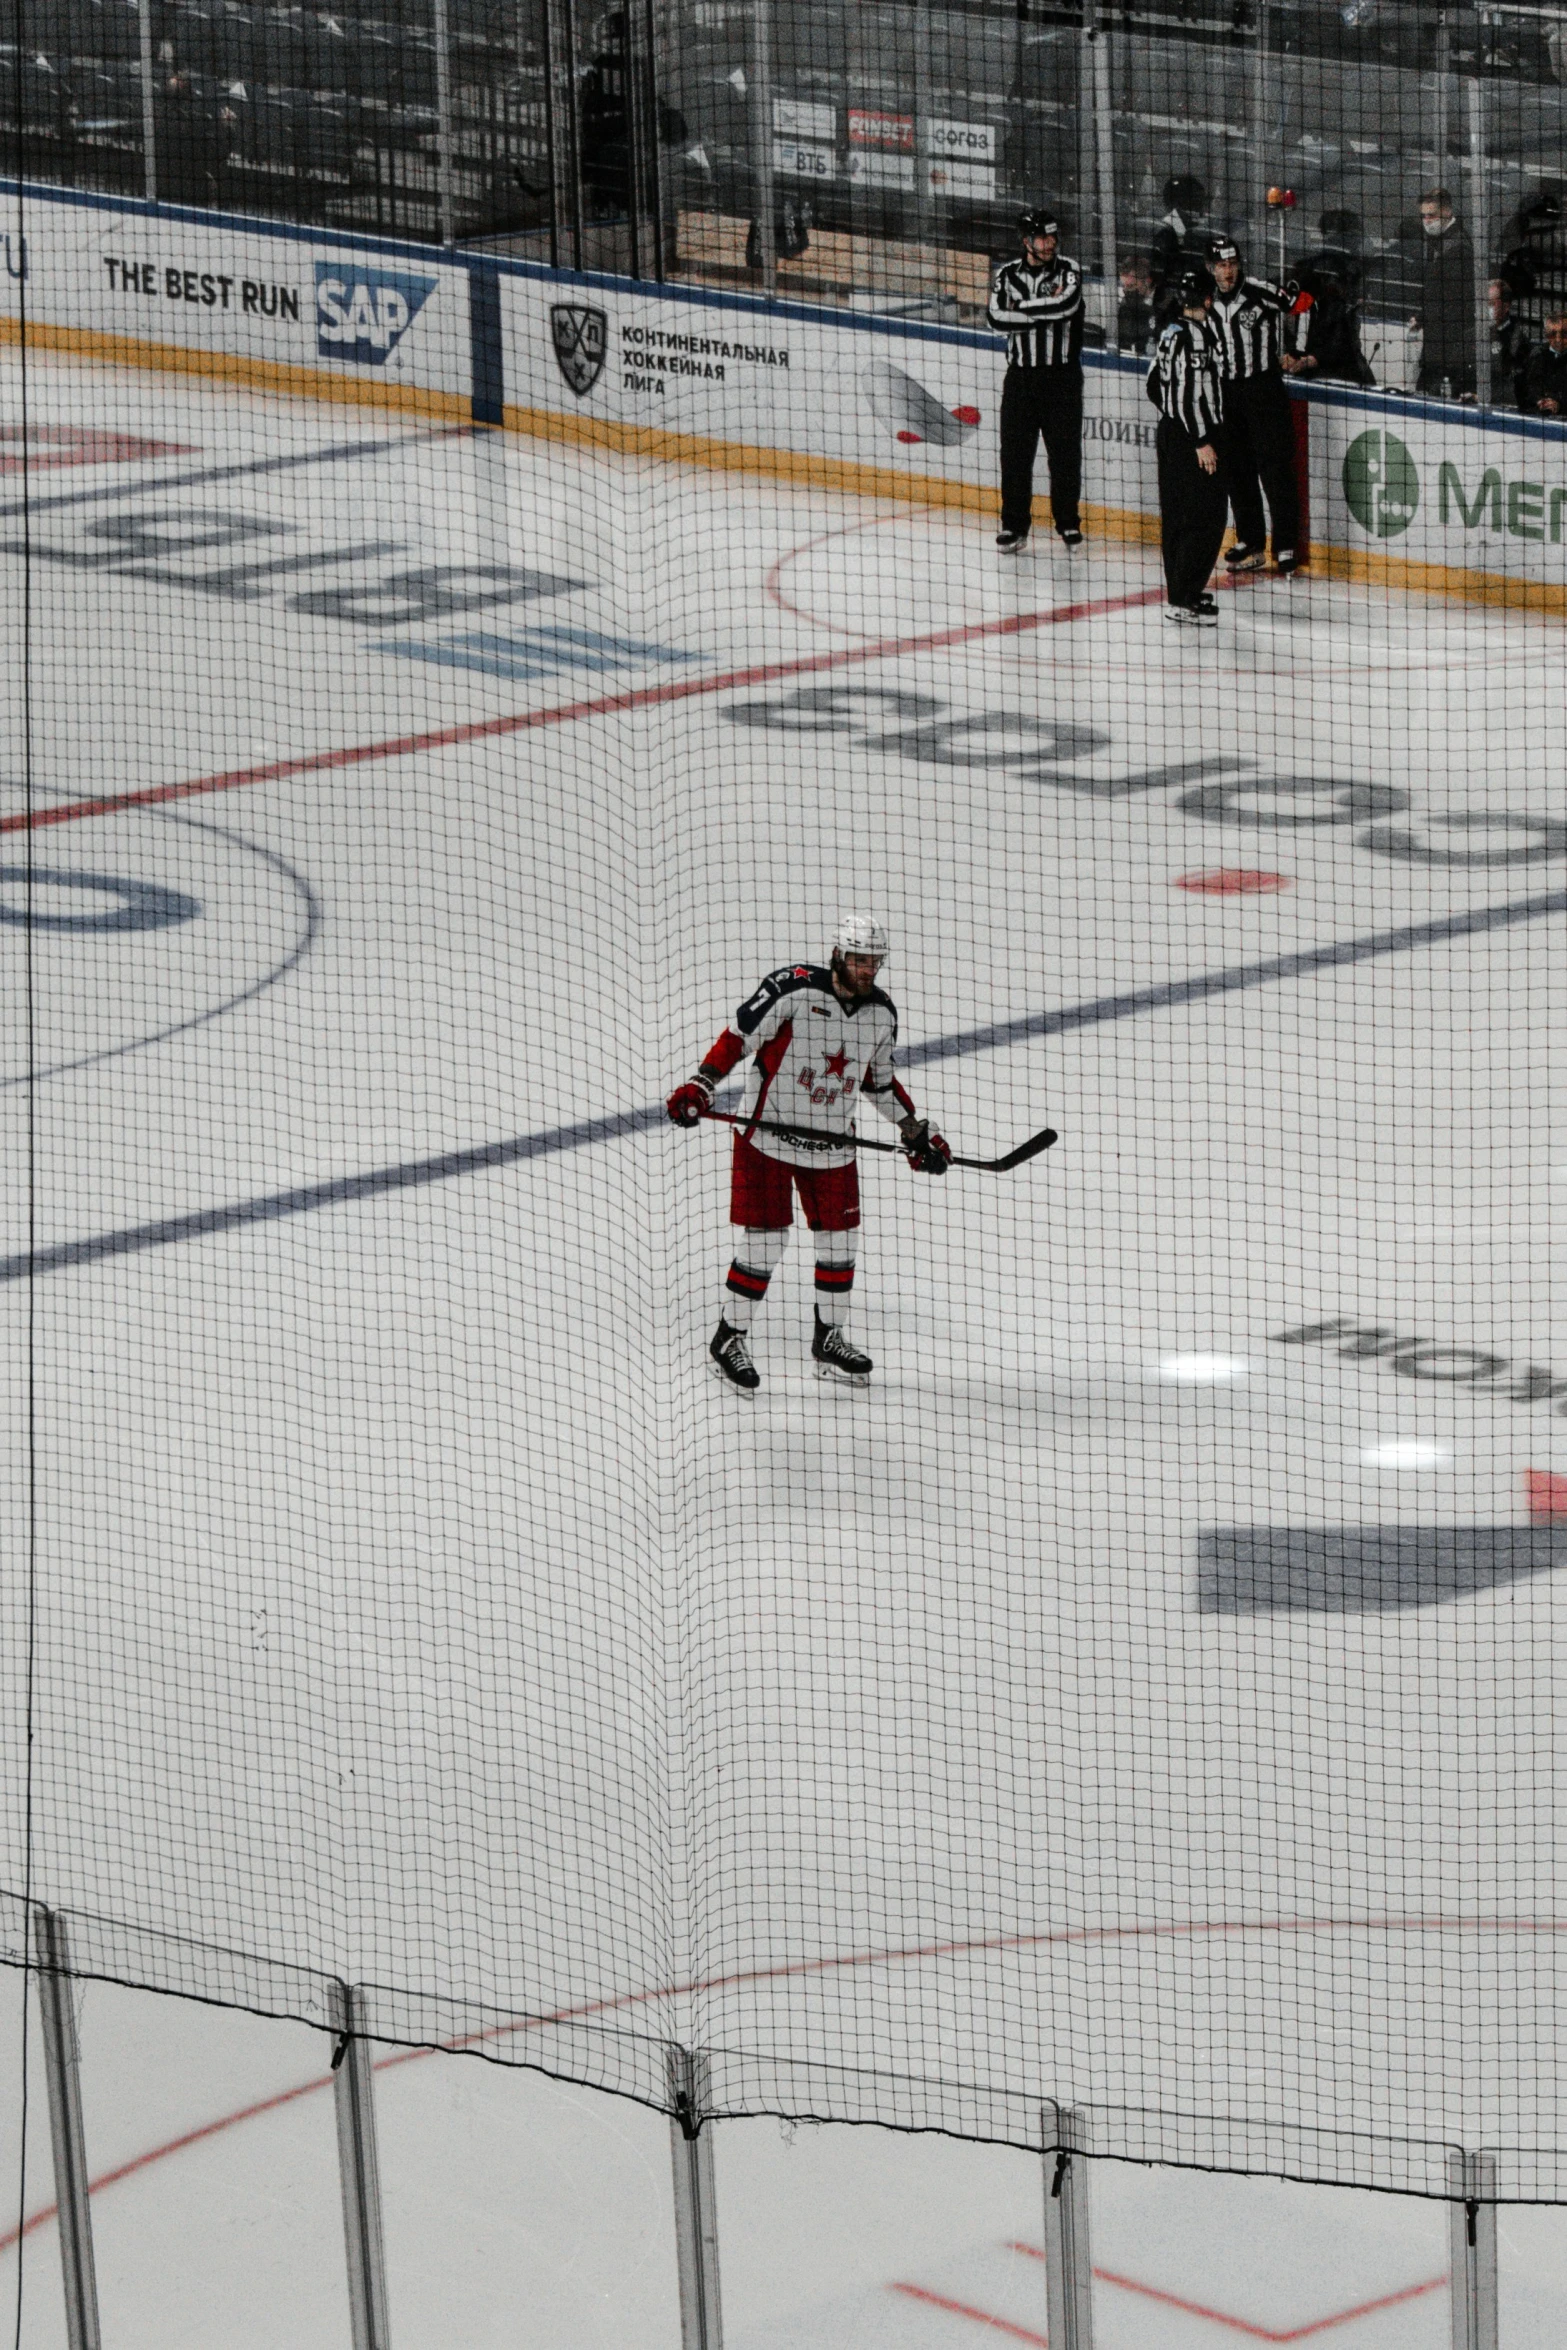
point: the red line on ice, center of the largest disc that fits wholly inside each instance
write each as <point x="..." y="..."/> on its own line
<point x="1241" y="2325"/>
<point x="602" y="705"/>
<point x="1001" y="2325"/>
<point x="1179" y="1930"/>
<point x="772" y="585"/>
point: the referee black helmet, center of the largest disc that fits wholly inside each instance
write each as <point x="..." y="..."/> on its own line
<point x="1038" y="222"/>
<point x="1197" y="286"/>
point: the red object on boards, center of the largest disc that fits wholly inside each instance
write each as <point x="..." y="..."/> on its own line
<point x="1547" y="1497"/>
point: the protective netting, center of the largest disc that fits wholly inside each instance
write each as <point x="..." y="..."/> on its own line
<point x="438" y="688"/>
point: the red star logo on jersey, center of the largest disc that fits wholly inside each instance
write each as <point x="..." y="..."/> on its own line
<point x="836" y="1063"/>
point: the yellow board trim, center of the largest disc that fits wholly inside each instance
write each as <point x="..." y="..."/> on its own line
<point x="844" y="474"/>
<point x="1122" y="525"/>
<point x="1365" y="565"/>
<point x="267" y="375"/>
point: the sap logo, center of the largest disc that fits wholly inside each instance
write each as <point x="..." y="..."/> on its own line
<point x="364" y="314"/>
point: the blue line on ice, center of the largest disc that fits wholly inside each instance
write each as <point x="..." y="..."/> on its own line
<point x="413" y="1174"/>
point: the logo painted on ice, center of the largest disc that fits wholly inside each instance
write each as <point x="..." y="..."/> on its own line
<point x="1381" y="483"/>
<point x="364" y="314"/>
<point x="581" y="338"/>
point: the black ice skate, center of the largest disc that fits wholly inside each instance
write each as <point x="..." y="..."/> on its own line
<point x="732" y="1359"/>
<point x="836" y="1358"/>
<point x="1070" y="538"/>
<point x="1244" y="558"/>
<point x="1012" y="542"/>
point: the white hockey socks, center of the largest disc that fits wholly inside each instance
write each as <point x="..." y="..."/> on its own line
<point x="835" y="1255"/>
<point x="756" y="1260"/>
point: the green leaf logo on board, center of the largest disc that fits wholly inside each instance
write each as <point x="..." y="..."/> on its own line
<point x="1381" y="484"/>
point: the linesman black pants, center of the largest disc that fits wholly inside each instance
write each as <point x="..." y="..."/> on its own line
<point x="1259" y="455"/>
<point x="1192" y="509"/>
<point x="1041" y="402"/>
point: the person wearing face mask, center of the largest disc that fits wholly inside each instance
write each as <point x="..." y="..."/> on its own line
<point x="1446" y="316"/>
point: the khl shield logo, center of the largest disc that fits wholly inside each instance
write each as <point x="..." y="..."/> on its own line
<point x="581" y="338"/>
<point x="363" y="314"/>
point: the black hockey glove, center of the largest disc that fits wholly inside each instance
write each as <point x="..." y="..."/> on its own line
<point x="927" y="1152"/>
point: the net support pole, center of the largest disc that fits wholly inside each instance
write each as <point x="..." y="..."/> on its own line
<point x="1480" y="229"/>
<point x="443" y="119"/>
<point x="62" y="2064"/>
<point x="1471" y="2182"/>
<point x="1102" y="99"/>
<point x="1264" y="161"/>
<point x="149" y="122"/>
<point x="359" y="2165"/>
<point x="560" y="39"/>
<point x="763" y="193"/>
<point x="696" y="2209"/>
<point x="1069" y="2313"/>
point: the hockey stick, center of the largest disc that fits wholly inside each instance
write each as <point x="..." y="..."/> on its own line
<point x="809" y="1135"/>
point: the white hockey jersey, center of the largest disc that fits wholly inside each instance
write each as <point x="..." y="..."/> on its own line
<point x="812" y="1056"/>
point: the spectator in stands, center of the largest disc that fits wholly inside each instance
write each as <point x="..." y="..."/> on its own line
<point x="1342" y="236"/>
<point x="1446" y="316"/>
<point x="1542" y="388"/>
<point x="1178" y="243"/>
<point x="1134" y="311"/>
<point x="604" y="126"/>
<point x="1324" y="338"/>
<point x="1510" y="346"/>
<point x="191" y="143"/>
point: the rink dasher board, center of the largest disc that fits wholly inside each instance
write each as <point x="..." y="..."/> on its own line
<point x="255" y="303"/>
<point x="824" y="397"/>
<point x="1404" y="492"/>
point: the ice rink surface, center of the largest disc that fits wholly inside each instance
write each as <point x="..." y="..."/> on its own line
<point x="1149" y="1682"/>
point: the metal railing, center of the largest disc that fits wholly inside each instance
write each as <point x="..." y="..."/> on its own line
<point x="1065" y="2135"/>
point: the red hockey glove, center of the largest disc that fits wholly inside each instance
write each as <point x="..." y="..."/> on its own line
<point x="689" y="1104"/>
<point x="927" y="1152"/>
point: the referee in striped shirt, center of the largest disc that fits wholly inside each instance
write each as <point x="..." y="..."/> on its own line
<point x="1254" y="324"/>
<point x="1037" y="303"/>
<point x="1184" y="385"/>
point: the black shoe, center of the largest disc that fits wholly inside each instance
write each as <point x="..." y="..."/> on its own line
<point x="1012" y="542"/>
<point x="1244" y="558"/>
<point x="732" y="1358"/>
<point x="1070" y="538"/>
<point x="836" y="1358"/>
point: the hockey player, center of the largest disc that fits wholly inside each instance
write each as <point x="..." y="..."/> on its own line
<point x="817" y="1039"/>
<point x="1250" y="323"/>
<point x="1184" y="385"/>
<point x="1037" y="303"/>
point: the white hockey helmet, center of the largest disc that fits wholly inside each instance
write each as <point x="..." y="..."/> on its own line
<point x="860" y="934"/>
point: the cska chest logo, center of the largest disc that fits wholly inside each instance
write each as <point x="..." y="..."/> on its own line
<point x="821" y="1091"/>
